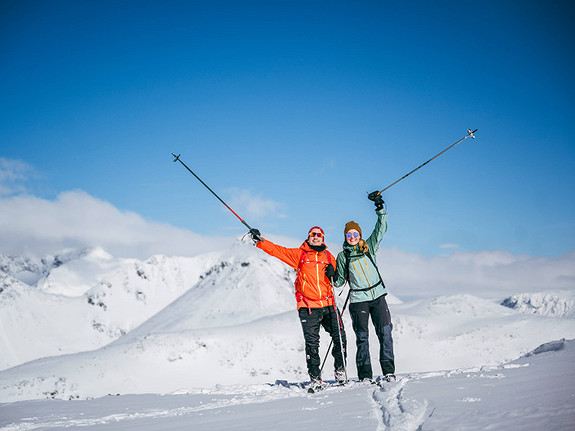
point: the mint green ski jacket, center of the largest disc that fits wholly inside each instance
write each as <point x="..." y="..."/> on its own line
<point x="362" y="272"/>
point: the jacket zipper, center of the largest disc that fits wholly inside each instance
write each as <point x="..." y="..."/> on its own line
<point x="317" y="276"/>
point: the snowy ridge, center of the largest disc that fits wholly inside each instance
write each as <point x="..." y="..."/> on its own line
<point x="79" y="274"/>
<point x="29" y="269"/>
<point x="463" y="330"/>
<point x="217" y="330"/>
<point x="86" y="301"/>
<point x="560" y="304"/>
<point x="455" y="332"/>
<point x="241" y="287"/>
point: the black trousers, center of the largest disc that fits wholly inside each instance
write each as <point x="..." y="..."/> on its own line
<point x="311" y="319"/>
<point x="381" y="318"/>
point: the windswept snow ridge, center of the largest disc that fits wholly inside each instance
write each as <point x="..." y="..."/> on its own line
<point x="561" y="304"/>
<point x="239" y="288"/>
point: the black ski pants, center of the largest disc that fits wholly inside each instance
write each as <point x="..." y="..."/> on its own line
<point x="311" y="319"/>
<point x="381" y="318"/>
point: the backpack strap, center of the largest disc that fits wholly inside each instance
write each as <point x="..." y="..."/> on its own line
<point x="376" y="268"/>
<point x="348" y="261"/>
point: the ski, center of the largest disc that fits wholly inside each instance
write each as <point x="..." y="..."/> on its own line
<point x="311" y="388"/>
<point x="315" y="389"/>
<point x="386" y="380"/>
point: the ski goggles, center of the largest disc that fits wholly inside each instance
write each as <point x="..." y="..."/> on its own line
<point x="318" y="234"/>
<point x="350" y="234"/>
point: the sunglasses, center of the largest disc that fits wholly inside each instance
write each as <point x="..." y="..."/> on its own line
<point x="318" y="234"/>
<point x="349" y="235"/>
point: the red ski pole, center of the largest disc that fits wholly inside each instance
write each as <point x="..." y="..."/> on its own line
<point x="177" y="159"/>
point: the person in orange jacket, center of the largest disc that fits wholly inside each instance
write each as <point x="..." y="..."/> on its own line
<point x="315" y="267"/>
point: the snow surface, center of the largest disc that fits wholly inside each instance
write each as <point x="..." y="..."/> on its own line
<point x="532" y="393"/>
<point x="214" y="342"/>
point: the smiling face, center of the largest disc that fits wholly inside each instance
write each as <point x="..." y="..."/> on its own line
<point x="315" y="237"/>
<point x="352" y="237"/>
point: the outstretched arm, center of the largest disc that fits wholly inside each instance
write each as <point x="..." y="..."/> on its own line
<point x="291" y="256"/>
<point x="378" y="231"/>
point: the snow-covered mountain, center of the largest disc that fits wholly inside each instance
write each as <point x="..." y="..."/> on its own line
<point x="226" y="318"/>
<point x="436" y="334"/>
<point x="219" y="332"/>
<point x="243" y="286"/>
<point x="554" y="304"/>
<point x="83" y="300"/>
<point x="29" y="269"/>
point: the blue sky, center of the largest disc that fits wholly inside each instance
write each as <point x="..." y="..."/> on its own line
<point x="292" y="111"/>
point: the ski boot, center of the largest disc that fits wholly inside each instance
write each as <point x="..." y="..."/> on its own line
<point x="390" y="377"/>
<point x="340" y="376"/>
<point x="367" y="381"/>
<point x="315" y="386"/>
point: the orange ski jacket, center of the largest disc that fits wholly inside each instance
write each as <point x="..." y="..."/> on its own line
<point x="314" y="288"/>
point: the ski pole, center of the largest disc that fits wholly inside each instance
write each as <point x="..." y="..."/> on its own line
<point x="469" y="134"/>
<point x="177" y="159"/>
<point x="340" y="338"/>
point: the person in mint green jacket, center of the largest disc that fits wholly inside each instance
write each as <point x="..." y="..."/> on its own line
<point x="357" y="265"/>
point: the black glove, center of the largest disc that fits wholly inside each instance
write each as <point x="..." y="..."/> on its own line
<point x="256" y="235"/>
<point x="329" y="271"/>
<point x="377" y="199"/>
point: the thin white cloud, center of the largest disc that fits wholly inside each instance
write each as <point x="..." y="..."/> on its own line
<point x="448" y="246"/>
<point x="13" y="174"/>
<point x="31" y="225"/>
<point x="253" y="206"/>
<point x="494" y="273"/>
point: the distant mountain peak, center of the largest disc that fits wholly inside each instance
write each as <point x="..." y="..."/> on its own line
<point x="559" y="304"/>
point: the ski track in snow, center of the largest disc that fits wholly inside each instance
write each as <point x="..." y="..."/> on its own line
<point x="489" y="397"/>
<point x="231" y="399"/>
<point x="390" y="409"/>
<point x="220" y="398"/>
<point x="397" y="412"/>
<point x="386" y="405"/>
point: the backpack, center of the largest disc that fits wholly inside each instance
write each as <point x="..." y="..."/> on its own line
<point x="348" y="261"/>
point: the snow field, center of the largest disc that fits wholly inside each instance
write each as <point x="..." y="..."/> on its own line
<point x="86" y="340"/>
